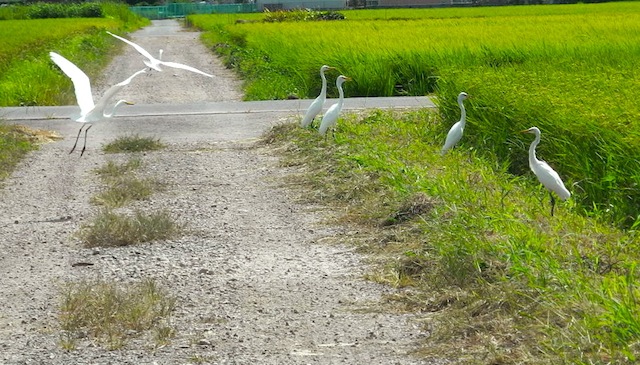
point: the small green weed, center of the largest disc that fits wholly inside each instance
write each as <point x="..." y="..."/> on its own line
<point x="124" y="189"/>
<point x="14" y="144"/>
<point x="133" y="143"/>
<point x="114" y="170"/>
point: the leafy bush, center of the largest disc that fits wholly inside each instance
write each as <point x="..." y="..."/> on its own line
<point x="300" y="15"/>
<point x="52" y="10"/>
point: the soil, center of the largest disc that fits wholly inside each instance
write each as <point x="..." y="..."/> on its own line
<point x="255" y="280"/>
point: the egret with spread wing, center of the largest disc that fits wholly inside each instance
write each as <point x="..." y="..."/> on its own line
<point x="316" y="107"/>
<point x="155" y="63"/>
<point x="547" y="176"/>
<point x="89" y="112"/>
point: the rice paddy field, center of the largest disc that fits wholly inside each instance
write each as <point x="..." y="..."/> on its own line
<point x="469" y="235"/>
<point x="27" y="76"/>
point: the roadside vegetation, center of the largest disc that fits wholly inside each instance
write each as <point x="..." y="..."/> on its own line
<point x="473" y="247"/>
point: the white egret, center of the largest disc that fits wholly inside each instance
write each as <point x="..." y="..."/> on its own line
<point x="89" y="112"/>
<point x="331" y="116"/>
<point x="155" y="63"/>
<point x="316" y="106"/>
<point x="547" y="176"/>
<point x="455" y="133"/>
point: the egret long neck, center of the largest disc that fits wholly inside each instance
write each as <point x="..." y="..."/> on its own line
<point x="532" y="150"/>
<point x="341" y="93"/>
<point x="323" y="91"/>
<point x="463" y="113"/>
<point x="113" y="110"/>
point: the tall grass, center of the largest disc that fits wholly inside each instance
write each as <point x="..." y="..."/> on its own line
<point x="571" y="70"/>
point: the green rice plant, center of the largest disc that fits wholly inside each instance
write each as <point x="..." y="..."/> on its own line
<point x="503" y="279"/>
<point x="132" y="143"/>
<point x="111" y="314"/>
<point x="109" y="229"/>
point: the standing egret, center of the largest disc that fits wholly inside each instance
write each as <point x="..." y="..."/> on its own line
<point x="547" y="176"/>
<point x="155" y="63"/>
<point x="316" y="106"/>
<point x="331" y="116"/>
<point x="455" y="133"/>
<point x="89" y="112"/>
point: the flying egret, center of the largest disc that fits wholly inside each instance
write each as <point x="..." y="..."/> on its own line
<point x="89" y="112"/>
<point x="316" y="106"/>
<point x="155" y="63"/>
<point x="547" y="176"/>
<point x="455" y="133"/>
<point x="331" y="116"/>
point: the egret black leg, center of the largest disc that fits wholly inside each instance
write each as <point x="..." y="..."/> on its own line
<point x="553" y="203"/>
<point x="85" y="139"/>
<point x="77" y="137"/>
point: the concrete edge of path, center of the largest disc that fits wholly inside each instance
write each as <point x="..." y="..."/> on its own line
<point x="293" y="106"/>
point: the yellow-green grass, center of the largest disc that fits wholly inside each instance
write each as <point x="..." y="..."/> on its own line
<point x="14" y="144"/>
<point x="27" y="75"/>
<point x="505" y="281"/>
<point x="571" y="70"/>
<point x="112" y="314"/>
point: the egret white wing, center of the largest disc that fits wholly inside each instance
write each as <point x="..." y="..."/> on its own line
<point x="80" y="80"/>
<point x="184" y="67"/>
<point x="138" y="48"/>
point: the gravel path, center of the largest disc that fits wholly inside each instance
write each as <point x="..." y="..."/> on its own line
<point x="253" y="280"/>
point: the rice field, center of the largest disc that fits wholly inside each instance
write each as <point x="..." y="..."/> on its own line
<point x="571" y="70"/>
<point x="27" y="76"/>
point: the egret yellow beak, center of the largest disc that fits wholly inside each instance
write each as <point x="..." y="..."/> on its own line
<point x="348" y="79"/>
<point x="526" y="131"/>
<point x="129" y="103"/>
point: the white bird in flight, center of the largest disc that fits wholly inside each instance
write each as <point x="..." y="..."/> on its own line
<point x="316" y="107"/>
<point x="455" y="133"/>
<point x="155" y="63"/>
<point x="89" y="112"/>
<point x="547" y="176"/>
<point x="331" y="116"/>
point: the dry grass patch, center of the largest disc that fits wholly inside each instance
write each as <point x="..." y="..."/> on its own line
<point x="110" y="315"/>
<point x="110" y="229"/>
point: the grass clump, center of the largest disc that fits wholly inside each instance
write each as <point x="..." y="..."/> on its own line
<point x="473" y="245"/>
<point x="111" y="314"/>
<point x="133" y="143"/>
<point x="110" y="229"/>
<point x="123" y="190"/>
<point x="122" y="185"/>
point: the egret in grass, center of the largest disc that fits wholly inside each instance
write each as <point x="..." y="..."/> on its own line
<point x="89" y="112"/>
<point x="331" y="116"/>
<point x="155" y="63"/>
<point x="547" y="176"/>
<point x="316" y="106"/>
<point x="455" y="133"/>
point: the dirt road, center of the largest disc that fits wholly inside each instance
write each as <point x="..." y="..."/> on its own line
<point x="254" y="282"/>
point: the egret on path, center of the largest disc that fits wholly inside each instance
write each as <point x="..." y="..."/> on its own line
<point x="155" y="63"/>
<point x="547" y="176"/>
<point x="89" y="112"/>
<point x="455" y="133"/>
<point x="331" y="116"/>
<point x="316" y="106"/>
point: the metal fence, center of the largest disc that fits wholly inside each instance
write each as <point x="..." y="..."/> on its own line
<point x="180" y="10"/>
